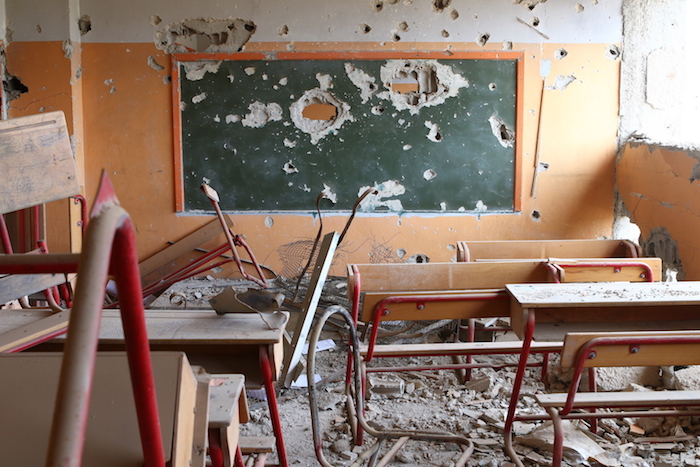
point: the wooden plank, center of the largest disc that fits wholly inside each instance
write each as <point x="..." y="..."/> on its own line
<point x="293" y="346"/>
<point x="201" y="420"/>
<point x="33" y="331"/>
<point x="623" y="399"/>
<point x="256" y="444"/>
<point x="15" y="286"/>
<point x="460" y="348"/>
<point x="447" y="276"/>
<point x="112" y="436"/>
<point x="606" y="294"/>
<point x="36" y="161"/>
<point x="185" y="411"/>
<point x="521" y="249"/>
<point x="417" y="311"/>
<point x="619" y="355"/>
<point x="183" y="246"/>
<point x="624" y="270"/>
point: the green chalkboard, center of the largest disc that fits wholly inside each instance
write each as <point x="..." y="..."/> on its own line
<point x="443" y="157"/>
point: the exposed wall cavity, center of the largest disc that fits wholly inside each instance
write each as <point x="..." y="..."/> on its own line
<point x="440" y="5"/>
<point x="434" y="134"/>
<point x="205" y="35"/>
<point x="67" y="47"/>
<point x="503" y="134"/>
<point x="84" y="24"/>
<point x="660" y="244"/>
<point x="414" y="84"/>
<point x="318" y="128"/>
<point x="378" y="200"/>
<point x="13" y="87"/>
<point x="260" y="114"/>
<point x="329" y="194"/>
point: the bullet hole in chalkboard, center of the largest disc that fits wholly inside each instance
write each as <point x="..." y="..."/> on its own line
<point x="492" y="86"/>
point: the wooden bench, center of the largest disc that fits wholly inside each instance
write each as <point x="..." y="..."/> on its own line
<point x="608" y="349"/>
<point x="228" y="408"/>
<point x="534" y="249"/>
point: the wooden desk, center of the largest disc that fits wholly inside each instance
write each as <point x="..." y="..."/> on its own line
<point x="549" y="311"/>
<point x="232" y="343"/>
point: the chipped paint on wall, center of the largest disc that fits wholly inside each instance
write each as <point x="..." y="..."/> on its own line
<point x="195" y="71"/>
<point x="329" y="194"/>
<point x="204" y="35"/>
<point x="384" y="190"/>
<point x="362" y="80"/>
<point x="260" y="114"/>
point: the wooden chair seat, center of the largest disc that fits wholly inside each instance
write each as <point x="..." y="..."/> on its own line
<point x="459" y="348"/>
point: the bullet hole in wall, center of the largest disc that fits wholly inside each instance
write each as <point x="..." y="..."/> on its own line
<point x="402" y="26"/>
<point x="204" y="35"/>
<point x="483" y="39"/>
<point x="13" y="87"/>
<point x="440" y="5"/>
<point x="283" y="30"/>
<point x="535" y="21"/>
<point x="444" y="33"/>
<point x="155" y="20"/>
<point x="377" y="6"/>
<point x="84" y="24"/>
<point x="612" y="52"/>
<point x="560" y="53"/>
<point x="419" y="258"/>
<point x="454" y="14"/>
<point x="365" y="28"/>
<point x="535" y="215"/>
<point x="395" y="37"/>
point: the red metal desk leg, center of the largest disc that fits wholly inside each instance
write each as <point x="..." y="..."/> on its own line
<point x="268" y="381"/>
<point x="517" y="384"/>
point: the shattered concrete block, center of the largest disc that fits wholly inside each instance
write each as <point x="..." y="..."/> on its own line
<point x="618" y="378"/>
<point x="387" y="388"/>
<point x="479" y="385"/>
<point x="688" y="379"/>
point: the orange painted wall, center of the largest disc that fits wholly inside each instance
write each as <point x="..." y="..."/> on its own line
<point x="657" y="187"/>
<point x="127" y="131"/>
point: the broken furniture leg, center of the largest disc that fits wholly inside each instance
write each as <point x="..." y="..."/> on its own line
<point x="234" y="241"/>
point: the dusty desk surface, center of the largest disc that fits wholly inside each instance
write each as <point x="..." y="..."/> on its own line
<point x="605" y="294"/>
<point x="611" y="306"/>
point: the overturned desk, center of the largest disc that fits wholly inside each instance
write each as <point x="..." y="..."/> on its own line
<point x="232" y="343"/>
<point x="546" y="312"/>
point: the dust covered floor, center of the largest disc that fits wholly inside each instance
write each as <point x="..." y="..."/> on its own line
<point x="437" y="401"/>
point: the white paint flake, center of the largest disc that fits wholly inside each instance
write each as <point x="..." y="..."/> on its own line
<point x="199" y="98"/>
<point x="481" y="207"/>
<point x="407" y="147"/>
<point x="289" y="143"/>
<point x="436" y="83"/>
<point x="429" y="174"/>
<point x="217" y="119"/>
<point x="365" y="82"/>
<point x="269" y="222"/>
<point x="562" y="82"/>
<point x="260" y="114"/>
<point x="329" y="194"/>
<point x="324" y="81"/>
<point x="387" y="189"/>
<point x="283" y="81"/>
<point x="249" y="70"/>
<point x="232" y="118"/>
<point x="443" y="206"/>
<point x="434" y="134"/>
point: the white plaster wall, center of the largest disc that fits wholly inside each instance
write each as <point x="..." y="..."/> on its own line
<point x="657" y="100"/>
<point x="330" y="20"/>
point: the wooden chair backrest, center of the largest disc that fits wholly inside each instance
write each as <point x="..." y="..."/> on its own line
<point x="639" y="350"/>
<point x="534" y="249"/>
<point x="608" y="269"/>
<point x="36" y="161"/>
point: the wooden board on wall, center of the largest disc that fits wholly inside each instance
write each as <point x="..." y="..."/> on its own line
<point x="36" y="161"/>
<point x="279" y="167"/>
